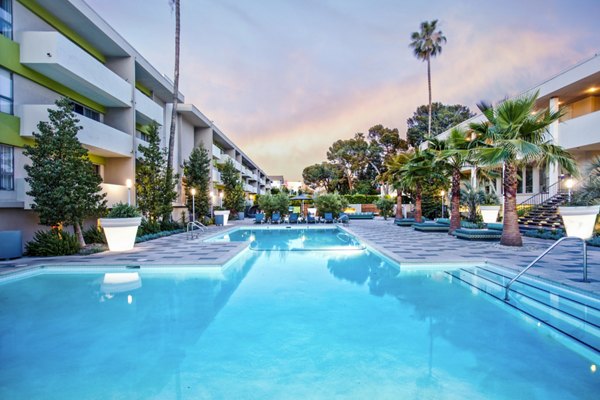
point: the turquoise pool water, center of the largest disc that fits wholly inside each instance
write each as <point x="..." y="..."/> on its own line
<point x="292" y="239"/>
<point x="275" y="325"/>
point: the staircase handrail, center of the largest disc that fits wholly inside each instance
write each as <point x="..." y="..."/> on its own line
<point x="542" y="197"/>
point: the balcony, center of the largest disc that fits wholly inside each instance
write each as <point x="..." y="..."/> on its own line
<point x="56" y="57"/>
<point x="147" y="110"/>
<point x="99" y="138"/>
<point x="581" y="131"/>
<point x="249" y="188"/>
<point x="114" y="193"/>
<point x="215" y="176"/>
<point x="216" y="152"/>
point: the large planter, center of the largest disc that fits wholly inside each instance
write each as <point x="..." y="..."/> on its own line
<point x="579" y="221"/>
<point x="225" y="214"/>
<point x="120" y="232"/>
<point x="489" y="213"/>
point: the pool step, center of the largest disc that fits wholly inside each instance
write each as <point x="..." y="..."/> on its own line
<point x="572" y="313"/>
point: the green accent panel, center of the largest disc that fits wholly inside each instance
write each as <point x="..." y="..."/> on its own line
<point x="143" y="89"/>
<point x="60" y="26"/>
<point x="9" y="59"/>
<point x="10" y="131"/>
<point x="97" y="159"/>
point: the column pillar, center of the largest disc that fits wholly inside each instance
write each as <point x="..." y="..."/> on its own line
<point x="553" y="169"/>
<point x="474" y="177"/>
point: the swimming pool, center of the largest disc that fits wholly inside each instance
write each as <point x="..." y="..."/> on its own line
<point x="291" y="239"/>
<point x="274" y="324"/>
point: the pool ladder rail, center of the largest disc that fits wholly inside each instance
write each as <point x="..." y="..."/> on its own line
<point x="548" y="250"/>
<point x="194" y="228"/>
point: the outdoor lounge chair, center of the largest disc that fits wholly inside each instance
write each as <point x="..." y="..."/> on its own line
<point x="440" y="225"/>
<point x="343" y="218"/>
<point x="361" y="215"/>
<point x="293" y="218"/>
<point x="310" y="219"/>
<point x="259" y="218"/>
<point x="328" y="218"/>
<point x="405" y="221"/>
<point x="478" y="234"/>
<point x="276" y="218"/>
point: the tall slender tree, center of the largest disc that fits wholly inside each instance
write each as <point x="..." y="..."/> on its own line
<point x="427" y="43"/>
<point x="518" y="136"/>
<point x="196" y="172"/>
<point x="169" y="175"/>
<point x="64" y="186"/>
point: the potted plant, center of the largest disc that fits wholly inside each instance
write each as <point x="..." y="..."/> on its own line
<point x="489" y="207"/>
<point x="222" y="212"/>
<point x="120" y="227"/>
<point x="580" y="213"/>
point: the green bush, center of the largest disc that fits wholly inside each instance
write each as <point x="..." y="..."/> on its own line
<point x="385" y="206"/>
<point x="52" y="243"/>
<point x="272" y="203"/>
<point x="94" y="235"/>
<point x="151" y="236"/>
<point x="330" y="203"/>
<point x="148" y="227"/>
<point x="554" y="234"/>
<point x="122" y="210"/>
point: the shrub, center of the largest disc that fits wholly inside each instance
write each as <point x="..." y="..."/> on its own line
<point x="52" y="243"/>
<point x="385" y="206"/>
<point x="122" y="210"/>
<point x="272" y="203"/>
<point x="151" y="236"/>
<point x="554" y="234"/>
<point x="94" y="235"/>
<point x="148" y="227"/>
<point x="330" y="203"/>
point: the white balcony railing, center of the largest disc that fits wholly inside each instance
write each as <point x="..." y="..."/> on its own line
<point x="147" y="110"/>
<point x="249" y="188"/>
<point x="216" y="176"/>
<point x="115" y="193"/>
<point x="580" y="131"/>
<point x="55" y="56"/>
<point x="216" y="152"/>
<point x="102" y="139"/>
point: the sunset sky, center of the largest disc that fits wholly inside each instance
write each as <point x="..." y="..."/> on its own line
<point x="286" y="78"/>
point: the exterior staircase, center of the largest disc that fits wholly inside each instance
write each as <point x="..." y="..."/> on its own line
<point x="542" y="210"/>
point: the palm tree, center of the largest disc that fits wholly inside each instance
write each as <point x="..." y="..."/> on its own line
<point x="427" y="44"/>
<point x="174" y="4"/>
<point x="517" y="136"/>
<point x="452" y="155"/>
<point x="410" y="172"/>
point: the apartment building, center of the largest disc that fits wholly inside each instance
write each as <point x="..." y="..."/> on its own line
<point x="577" y="91"/>
<point x="61" y="48"/>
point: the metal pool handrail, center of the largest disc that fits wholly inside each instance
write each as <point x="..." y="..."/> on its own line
<point x="194" y="224"/>
<point x="584" y="244"/>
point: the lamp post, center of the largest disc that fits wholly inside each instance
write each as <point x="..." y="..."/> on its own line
<point x="212" y="203"/>
<point x="221" y="199"/>
<point x="443" y="193"/>
<point x="193" y="204"/>
<point x="128" y="184"/>
<point x="569" y="183"/>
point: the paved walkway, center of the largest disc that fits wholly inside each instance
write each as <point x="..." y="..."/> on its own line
<point x="404" y="245"/>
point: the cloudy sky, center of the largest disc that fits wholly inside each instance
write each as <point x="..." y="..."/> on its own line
<point x="286" y="78"/>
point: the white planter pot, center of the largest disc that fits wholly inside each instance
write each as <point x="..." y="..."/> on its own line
<point x="579" y="221"/>
<point x="225" y="215"/>
<point x="120" y="232"/>
<point x="489" y="213"/>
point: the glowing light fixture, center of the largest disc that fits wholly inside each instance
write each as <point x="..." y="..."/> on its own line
<point x="128" y="184"/>
<point x="593" y="368"/>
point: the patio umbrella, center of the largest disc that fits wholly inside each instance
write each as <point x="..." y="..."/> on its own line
<point x="301" y="197"/>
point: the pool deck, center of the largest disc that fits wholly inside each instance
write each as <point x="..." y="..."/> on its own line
<point x="402" y="244"/>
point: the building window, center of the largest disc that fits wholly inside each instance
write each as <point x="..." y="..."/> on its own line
<point x="141" y="135"/>
<point x="529" y="179"/>
<point x="6" y="18"/>
<point x="7" y="167"/>
<point x="86" y="112"/>
<point x="6" y="91"/>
